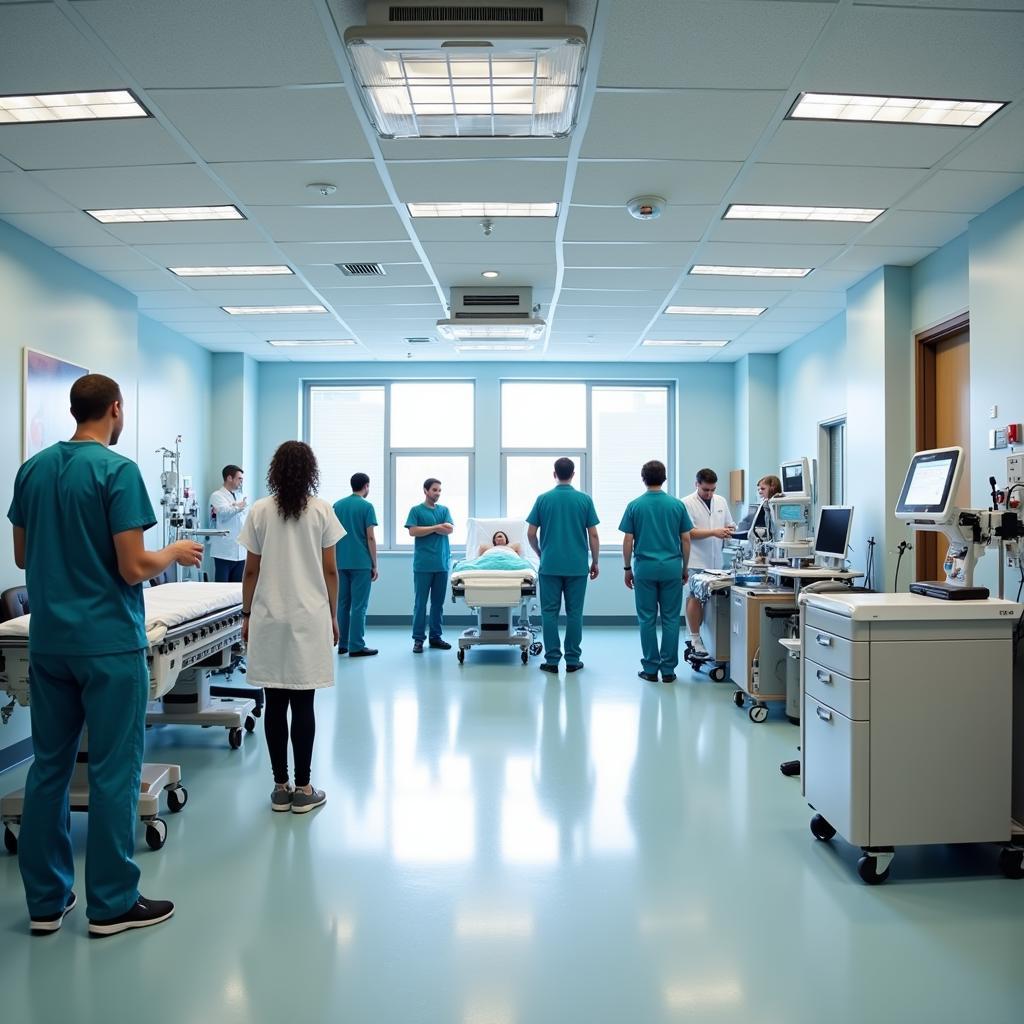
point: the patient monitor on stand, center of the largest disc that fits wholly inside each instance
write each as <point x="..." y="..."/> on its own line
<point x="791" y="511"/>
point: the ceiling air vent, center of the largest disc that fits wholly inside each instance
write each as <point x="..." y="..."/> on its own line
<point x="419" y="341"/>
<point x="361" y="269"/>
<point x="480" y="13"/>
<point x="485" y="314"/>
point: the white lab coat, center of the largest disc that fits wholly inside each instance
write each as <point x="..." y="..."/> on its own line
<point x="706" y="553"/>
<point x="230" y="519"/>
<point x="291" y="644"/>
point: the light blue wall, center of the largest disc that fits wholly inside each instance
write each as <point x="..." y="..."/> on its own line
<point x="705" y="436"/>
<point x="939" y="285"/>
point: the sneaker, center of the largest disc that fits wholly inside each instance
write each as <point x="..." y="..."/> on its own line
<point x="651" y="677"/>
<point x="365" y="652"/>
<point x="47" y="924"/>
<point x="144" y="914"/>
<point x="342" y="650"/>
<point x="281" y="799"/>
<point x="417" y="647"/>
<point x="303" y="802"/>
<point x="669" y="677"/>
<point x="697" y="649"/>
<point x="545" y="667"/>
<point x="578" y="667"/>
<point x="441" y="645"/>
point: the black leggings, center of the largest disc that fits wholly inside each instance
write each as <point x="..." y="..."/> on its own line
<point x="275" y="726"/>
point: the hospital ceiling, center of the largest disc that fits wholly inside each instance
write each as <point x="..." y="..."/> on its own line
<point x="685" y="99"/>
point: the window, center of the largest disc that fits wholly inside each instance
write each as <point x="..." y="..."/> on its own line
<point x="837" y="463"/>
<point x="608" y="430"/>
<point x="399" y="433"/>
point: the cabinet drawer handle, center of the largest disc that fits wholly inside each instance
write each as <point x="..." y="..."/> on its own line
<point x="823" y="676"/>
<point x="823" y="639"/>
<point x="825" y="716"/>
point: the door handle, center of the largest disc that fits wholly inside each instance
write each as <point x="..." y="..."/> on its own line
<point x="823" y="639"/>
<point x="823" y="676"/>
<point x="825" y="716"/>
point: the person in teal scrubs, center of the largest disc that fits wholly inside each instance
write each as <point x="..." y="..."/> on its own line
<point x="655" y="551"/>
<point x="79" y="512"/>
<point x="357" y="567"/>
<point x="431" y="525"/>
<point x="566" y="521"/>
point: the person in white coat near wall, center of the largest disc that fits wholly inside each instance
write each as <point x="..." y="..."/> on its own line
<point x="713" y="524"/>
<point x="228" y="510"/>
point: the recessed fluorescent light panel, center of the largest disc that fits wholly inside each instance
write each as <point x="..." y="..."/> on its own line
<point x="309" y="342"/>
<point x="520" y="80"/>
<point x="681" y="343"/>
<point x="738" y="211"/>
<point x="270" y="310"/>
<point x="158" y="214"/>
<point x="230" y="271"/>
<point x="70" y="106"/>
<point x="701" y="268"/>
<point x="511" y="346"/>
<point x="483" y="209"/>
<point x="530" y="331"/>
<point x="716" y="310"/>
<point x="819" y="106"/>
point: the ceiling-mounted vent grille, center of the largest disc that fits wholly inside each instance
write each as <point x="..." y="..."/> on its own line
<point x="419" y="341"/>
<point x="513" y="299"/>
<point x="497" y="14"/>
<point x="361" y="269"/>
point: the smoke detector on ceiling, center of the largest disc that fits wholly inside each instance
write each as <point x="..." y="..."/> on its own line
<point x="322" y="188"/>
<point x="646" y="207"/>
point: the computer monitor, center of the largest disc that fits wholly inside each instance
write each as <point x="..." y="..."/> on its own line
<point x="796" y="477"/>
<point x="789" y="512"/>
<point x="930" y="487"/>
<point x="832" y="537"/>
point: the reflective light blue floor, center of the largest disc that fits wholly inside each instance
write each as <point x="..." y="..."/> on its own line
<point x="501" y="846"/>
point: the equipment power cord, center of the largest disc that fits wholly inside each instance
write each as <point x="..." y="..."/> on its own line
<point x="903" y="548"/>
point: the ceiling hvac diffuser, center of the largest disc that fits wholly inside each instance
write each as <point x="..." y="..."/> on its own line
<point x="488" y="314"/>
<point x="495" y="70"/>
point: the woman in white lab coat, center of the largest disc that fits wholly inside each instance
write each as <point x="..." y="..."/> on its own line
<point x="289" y="608"/>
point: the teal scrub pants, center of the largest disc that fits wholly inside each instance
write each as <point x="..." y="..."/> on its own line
<point x="651" y="597"/>
<point x="353" y="600"/>
<point x="552" y="591"/>
<point x="426" y="585"/>
<point x="108" y="695"/>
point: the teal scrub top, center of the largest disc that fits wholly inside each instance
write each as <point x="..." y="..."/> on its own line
<point x="431" y="553"/>
<point x="656" y="520"/>
<point x="71" y="499"/>
<point x="356" y="515"/>
<point x="563" y="515"/>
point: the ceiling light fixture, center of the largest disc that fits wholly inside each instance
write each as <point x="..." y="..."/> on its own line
<point x="230" y="271"/>
<point x="681" y="343"/>
<point x="510" y="346"/>
<point x="716" y="310"/>
<point x="158" y="214"/>
<point x="490" y="274"/>
<point x="860" y="215"/>
<point x="70" y="106"/>
<point x="818" y="106"/>
<point x="309" y="342"/>
<point x="528" y="331"/>
<point x="716" y="271"/>
<point x="271" y="310"/>
<point x="484" y="210"/>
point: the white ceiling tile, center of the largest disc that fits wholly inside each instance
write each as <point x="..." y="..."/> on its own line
<point x="244" y="284"/>
<point x="589" y="297"/>
<point x="725" y="296"/>
<point x="392" y="299"/>
<point x="482" y="253"/>
<point x="19" y="193"/>
<point x="813" y="185"/>
<point x="696" y="124"/>
<point x="146" y="281"/>
<point x="834" y="302"/>
<point x="309" y="253"/>
<point x="998" y="146"/>
<point x="467" y="275"/>
<point x="468" y="229"/>
<point x="496" y="180"/>
<point x="210" y="254"/>
<point x="904" y="227"/>
<point x="118" y="188"/>
<point x="648" y="254"/>
<point x="102" y="258"/>
<point x="680" y="44"/>
<point x="799" y="234"/>
<point x="267" y="42"/>
<point x="69" y="228"/>
<point x="183" y="231"/>
<point x="233" y="125"/>
<point x="395" y="274"/>
<point x="963" y="191"/>
<point x="129" y="143"/>
<point x="631" y="278"/>
<point x="680" y="182"/>
<point x="472" y="149"/>
<point x="794" y="316"/>
<point x="829" y="281"/>
<point x="601" y="224"/>
<point x="870" y="257"/>
<point x="766" y="253"/>
<point x="330" y="224"/>
<point x="283" y="182"/>
<point x="861" y="145"/>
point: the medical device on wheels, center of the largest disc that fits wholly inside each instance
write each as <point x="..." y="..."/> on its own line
<point x="502" y="597"/>
<point x="712" y="589"/>
<point x="188" y="626"/>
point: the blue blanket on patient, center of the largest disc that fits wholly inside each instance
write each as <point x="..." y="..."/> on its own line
<point x="496" y="558"/>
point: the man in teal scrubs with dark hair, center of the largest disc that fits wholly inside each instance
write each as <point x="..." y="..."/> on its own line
<point x="357" y="567"/>
<point x="79" y="512"/>
<point x="567" y="523"/>
<point x="655" y="550"/>
<point x="430" y="524"/>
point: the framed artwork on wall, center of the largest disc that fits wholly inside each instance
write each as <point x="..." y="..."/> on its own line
<point x="47" y="414"/>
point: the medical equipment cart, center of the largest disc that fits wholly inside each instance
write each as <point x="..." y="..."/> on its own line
<point x="714" y="629"/>
<point x="757" y="661"/>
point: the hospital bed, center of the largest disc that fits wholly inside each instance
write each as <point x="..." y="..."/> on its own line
<point x="189" y="628"/>
<point x="496" y="593"/>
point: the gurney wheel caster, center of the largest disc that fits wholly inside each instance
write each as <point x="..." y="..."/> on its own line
<point x="10" y="841"/>
<point x="738" y="698"/>
<point x="156" y="833"/>
<point x="717" y="675"/>
<point x="1011" y="861"/>
<point x="461" y="655"/>
<point x="525" y="657"/>
<point x="250" y="723"/>
<point x="176" y="799"/>
<point x="234" y="738"/>
<point x="821" y="829"/>
<point x="758" y="713"/>
<point x="257" y="711"/>
<point x="867" y="868"/>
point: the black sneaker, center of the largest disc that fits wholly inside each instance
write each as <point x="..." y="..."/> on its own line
<point x="363" y="652"/>
<point x="669" y="677"/>
<point x="50" y="923"/>
<point x="342" y="650"/>
<point x="417" y="647"/>
<point x="545" y="667"/>
<point x="574" y="668"/>
<point x="441" y="645"/>
<point x="144" y="914"/>
<point x="651" y="677"/>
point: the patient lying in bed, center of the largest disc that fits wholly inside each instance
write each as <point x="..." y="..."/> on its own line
<point x="499" y="541"/>
<point x="499" y="557"/>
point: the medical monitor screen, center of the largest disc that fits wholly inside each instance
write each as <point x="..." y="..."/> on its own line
<point x="833" y="534"/>
<point x="790" y="513"/>
<point x="793" y="478"/>
<point x="928" y="488"/>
